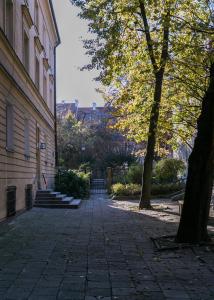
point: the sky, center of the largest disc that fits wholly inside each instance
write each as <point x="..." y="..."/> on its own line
<point x="71" y="82"/>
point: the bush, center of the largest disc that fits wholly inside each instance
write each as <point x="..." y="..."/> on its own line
<point x="167" y="170"/>
<point x="120" y="189"/>
<point x="164" y="189"/>
<point x="134" y="174"/>
<point x="73" y="183"/>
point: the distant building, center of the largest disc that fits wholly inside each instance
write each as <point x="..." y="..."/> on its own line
<point x="96" y="117"/>
<point x="91" y="115"/>
<point x="28" y="38"/>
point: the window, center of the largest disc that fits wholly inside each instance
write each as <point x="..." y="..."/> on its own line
<point x="26" y="51"/>
<point x="37" y="70"/>
<point x="46" y="149"/>
<point x="44" y="36"/>
<point x="36" y="15"/>
<point x="26" y="138"/>
<point x="51" y="99"/>
<point x="45" y="87"/>
<point x="8" y="20"/>
<point x="9" y="128"/>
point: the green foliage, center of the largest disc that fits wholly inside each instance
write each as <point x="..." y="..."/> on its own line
<point x="85" y="167"/>
<point x="134" y="174"/>
<point x="118" y="159"/>
<point x="120" y="189"/>
<point x="164" y="189"/>
<point x="131" y="189"/>
<point x="129" y="55"/>
<point x="102" y="149"/>
<point x="73" y="183"/>
<point x="167" y="170"/>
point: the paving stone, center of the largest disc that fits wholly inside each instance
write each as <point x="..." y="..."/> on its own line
<point x="123" y="291"/>
<point x="98" y="292"/>
<point x="38" y="297"/>
<point x="45" y="292"/>
<point x="100" y="251"/>
<point x="174" y="294"/>
<point x="99" y="284"/>
<point x="122" y="284"/>
<point x="18" y="293"/>
<point x="68" y="295"/>
<point x="97" y="298"/>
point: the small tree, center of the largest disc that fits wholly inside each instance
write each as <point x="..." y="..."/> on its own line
<point x="167" y="170"/>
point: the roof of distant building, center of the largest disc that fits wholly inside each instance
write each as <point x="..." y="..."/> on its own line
<point x="87" y="114"/>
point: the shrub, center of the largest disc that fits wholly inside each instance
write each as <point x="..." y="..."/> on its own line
<point x="134" y="174"/>
<point x="167" y="170"/>
<point x="73" y="183"/>
<point x="85" y="167"/>
<point x="164" y="189"/>
<point x="120" y="189"/>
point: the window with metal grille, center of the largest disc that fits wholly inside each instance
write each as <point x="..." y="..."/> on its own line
<point x="11" y="201"/>
<point x="29" y="196"/>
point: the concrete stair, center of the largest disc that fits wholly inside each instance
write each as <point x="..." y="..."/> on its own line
<point x="50" y="199"/>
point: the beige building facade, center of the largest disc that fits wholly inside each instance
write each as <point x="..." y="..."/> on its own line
<point x="28" y="38"/>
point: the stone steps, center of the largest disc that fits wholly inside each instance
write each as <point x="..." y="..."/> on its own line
<point x="50" y="199"/>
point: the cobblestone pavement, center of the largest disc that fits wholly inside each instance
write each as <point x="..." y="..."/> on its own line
<point x="100" y="251"/>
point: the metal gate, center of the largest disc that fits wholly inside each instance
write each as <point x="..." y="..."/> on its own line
<point x="98" y="186"/>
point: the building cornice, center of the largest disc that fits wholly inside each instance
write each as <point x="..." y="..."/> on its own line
<point x="55" y="23"/>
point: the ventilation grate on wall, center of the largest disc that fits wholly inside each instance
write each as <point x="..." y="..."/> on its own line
<point x="11" y="201"/>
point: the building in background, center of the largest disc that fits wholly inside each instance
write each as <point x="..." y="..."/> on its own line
<point x="98" y="118"/>
<point x="91" y="115"/>
<point x="28" y="38"/>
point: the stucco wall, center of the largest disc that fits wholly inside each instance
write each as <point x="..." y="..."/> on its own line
<point x="17" y="88"/>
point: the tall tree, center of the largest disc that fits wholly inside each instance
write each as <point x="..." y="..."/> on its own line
<point x="195" y="213"/>
<point x="138" y="48"/>
<point x="159" y="71"/>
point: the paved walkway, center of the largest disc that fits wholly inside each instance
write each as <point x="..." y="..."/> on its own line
<point x="100" y="251"/>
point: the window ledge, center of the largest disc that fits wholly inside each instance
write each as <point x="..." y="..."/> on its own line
<point x="51" y="77"/>
<point x="10" y="150"/>
<point x="46" y="63"/>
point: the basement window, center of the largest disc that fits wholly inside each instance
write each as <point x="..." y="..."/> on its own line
<point x="11" y="201"/>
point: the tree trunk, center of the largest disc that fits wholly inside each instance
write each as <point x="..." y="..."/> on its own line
<point x="148" y="163"/>
<point x="195" y="213"/>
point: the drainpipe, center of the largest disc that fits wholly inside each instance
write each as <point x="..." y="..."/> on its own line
<point x="55" y="113"/>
